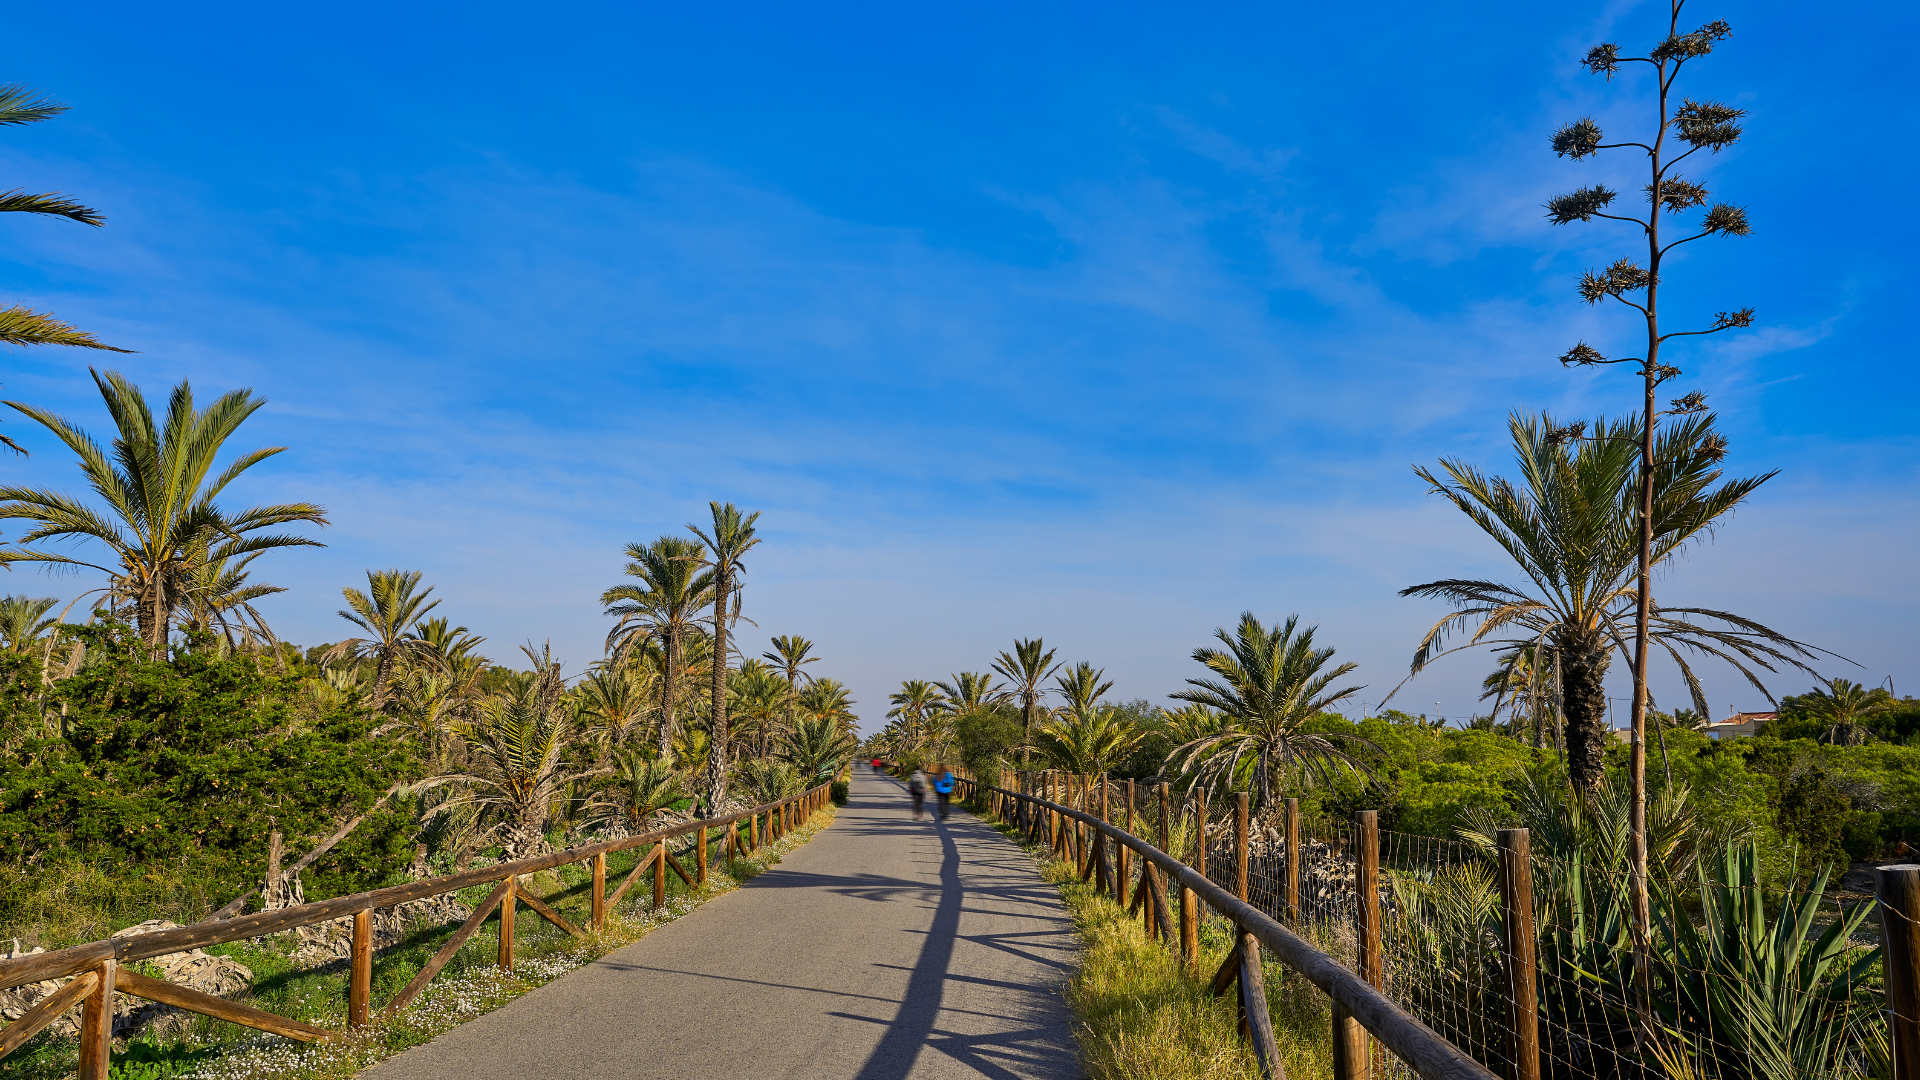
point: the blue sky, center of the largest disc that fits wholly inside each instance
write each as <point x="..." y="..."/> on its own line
<point x="1097" y="323"/>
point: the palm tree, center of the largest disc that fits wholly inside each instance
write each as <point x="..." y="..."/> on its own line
<point x="612" y="700"/>
<point x="517" y="755"/>
<point x="1573" y="532"/>
<point x="451" y="647"/>
<point x="1081" y="686"/>
<point x="219" y="599"/>
<point x="731" y="539"/>
<point x="817" y="748"/>
<point x="19" y="325"/>
<point x="661" y="608"/>
<point x="970" y="692"/>
<point x="161" y="521"/>
<point x="1030" y="663"/>
<point x="642" y="786"/>
<point x="758" y="698"/>
<point x="386" y="611"/>
<point x="1843" y="705"/>
<point x="1088" y="740"/>
<point x="915" y="704"/>
<point x="1522" y="683"/>
<point x="1271" y="685"/>
<point x="789" y="655"/>
<point x="829" y="699"/>
<point x="23" y="622"/>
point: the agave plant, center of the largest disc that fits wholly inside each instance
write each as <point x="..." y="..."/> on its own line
<point x="1760" y="1001"/>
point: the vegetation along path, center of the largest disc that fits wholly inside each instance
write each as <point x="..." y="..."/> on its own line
<point x="885" y="948"/>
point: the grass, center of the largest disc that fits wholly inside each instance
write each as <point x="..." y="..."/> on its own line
<point x="469" y="986"/>
<point x="1141" y="1015"/>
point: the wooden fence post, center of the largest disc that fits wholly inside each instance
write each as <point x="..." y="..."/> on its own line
<point x="1293" y="861"/>
<point x="504" y="957"/>
<point x="96" y="1026"/>
<point x="1240" y="854"/>
<point x="659" y="875"/>
<point x="600" y="891"/>
<point x="701" y="879"/>
<point x="1899" y="895"/>
<point x="1523" y="1005"/>
<point x="753" y="833"/>
<point x="360" y="977"/>
<point x="1352" y="1053"/>
<point x="1124" y="857"/>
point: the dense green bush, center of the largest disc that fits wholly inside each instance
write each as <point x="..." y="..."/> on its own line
<point x="187" y="764"/>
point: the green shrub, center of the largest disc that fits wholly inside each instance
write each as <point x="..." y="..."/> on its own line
<point x="838" y="792"/>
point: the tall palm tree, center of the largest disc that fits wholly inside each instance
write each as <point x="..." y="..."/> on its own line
<point x="386" y="611"/>
<point x="1026" y="667"/>
<point x="970" y="692"/>
<point x="757" y="698"/>
<point x="789" y="655"/>
<point x="1570" y="525"/>
<point x="732" y="538"/>
<point x="1080" y="686"/>
<point x="23" y="622"/>
<point x="661" y="607"/>
<point x="917" y="702"/>
<point x="18" y="325"/>
<point x="1271" y="683"/>
<point x="161" y="521"/>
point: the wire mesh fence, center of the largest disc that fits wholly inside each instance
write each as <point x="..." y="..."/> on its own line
<point x="1738" y="977"/>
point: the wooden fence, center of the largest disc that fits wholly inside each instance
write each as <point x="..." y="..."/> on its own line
<point x="1164" y="883"/>
<point x="97" y="967"/>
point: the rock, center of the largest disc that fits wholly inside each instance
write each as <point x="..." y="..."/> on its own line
<point x="329" y="941"/>
<point x="195" y="969"/>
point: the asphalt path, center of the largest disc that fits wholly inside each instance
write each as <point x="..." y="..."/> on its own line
<point x="885" y="948"/>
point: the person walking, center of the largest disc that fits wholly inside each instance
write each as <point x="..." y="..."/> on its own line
<point x="917" y="787"/>
<point x="943" y="787"/>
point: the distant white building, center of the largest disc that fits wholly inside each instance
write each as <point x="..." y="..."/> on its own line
<point x="1738" y="725"/>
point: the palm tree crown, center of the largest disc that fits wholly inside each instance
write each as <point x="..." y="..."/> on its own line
<point x="161" y="522"/>
<point x="732" y="537"/>
<point x="1271" y="683"/>
<point x="661" y="607"/>
<point x="1026" y="667"/>
<point x="1570" y="525"/>
<point x="386" y="611"/>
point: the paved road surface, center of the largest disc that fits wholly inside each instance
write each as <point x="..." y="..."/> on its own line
<point x="884" y="949"/>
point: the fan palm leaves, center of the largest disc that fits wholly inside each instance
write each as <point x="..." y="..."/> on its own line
<point x="392" y="604"/>
<point x="732" y="536"/>
<point x="160" y="520"/>
<point x="1570" y="526"/>
<point x="1025" y="668"/>
<point x="19" y="325"/>
<point x="816" y="748"/>
<point x="1271" y="683"/>
<point x="661" y="606"/>
<point x="1087" y="741"/>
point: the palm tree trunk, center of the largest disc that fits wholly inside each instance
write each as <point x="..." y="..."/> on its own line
<point x="1583" y="674"/>
<point x="380" y="676"/>
<point x="667" y="689"/>
<point x="717" y="742"/>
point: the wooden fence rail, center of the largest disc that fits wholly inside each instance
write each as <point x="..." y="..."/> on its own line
<point x="1360" y="1008"/>
<point x="98" y="968"/>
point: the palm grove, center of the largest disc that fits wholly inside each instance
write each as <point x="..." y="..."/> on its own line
<point x="158" y="721"/>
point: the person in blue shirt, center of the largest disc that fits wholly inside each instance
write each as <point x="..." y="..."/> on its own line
<point x="943" y="787"/>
